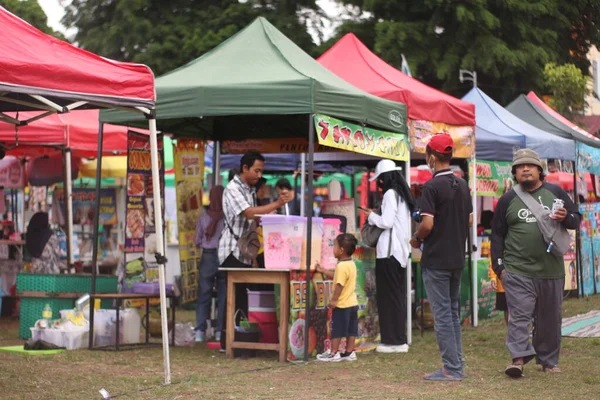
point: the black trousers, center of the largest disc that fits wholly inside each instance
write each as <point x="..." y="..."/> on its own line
<point x="391" y="300"/>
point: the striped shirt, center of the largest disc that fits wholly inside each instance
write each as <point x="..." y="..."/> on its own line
<point x="237" y="198"/>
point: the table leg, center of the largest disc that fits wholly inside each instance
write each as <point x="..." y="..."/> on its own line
<point x="173" y="320"/>
<point x="118" y="324"/>
<point x="230" y="314"/>
<point x="147" y="320"/>
<point x="284" y="316"/>
<point x="91" y="333"/>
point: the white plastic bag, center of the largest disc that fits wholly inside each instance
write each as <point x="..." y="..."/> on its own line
<point x="184" y="334"/>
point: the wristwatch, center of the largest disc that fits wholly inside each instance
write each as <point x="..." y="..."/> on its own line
<point x="416" y="238"/>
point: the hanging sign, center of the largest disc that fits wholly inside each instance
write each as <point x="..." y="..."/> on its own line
<point x="271" y="146"/>
<point x="84" y="205"/>
<point x="140" y="229"/>
<point x="188" y="159"/>
<point x="421" y="131"/>
<point x="494" y="178"/>
<point x="342" y="135"/>
<point x="588" y="159"/>
<point x="11" y="173"/>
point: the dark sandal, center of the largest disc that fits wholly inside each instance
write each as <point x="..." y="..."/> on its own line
<point x="514" y="370"/>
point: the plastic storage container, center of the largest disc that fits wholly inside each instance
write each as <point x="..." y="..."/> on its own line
<point x="150" y="288"/>
<point x="283" y="239"/>
<point x="331" y="229"/>
<point x="105" y="327"/>
<point x="316" y="243"/>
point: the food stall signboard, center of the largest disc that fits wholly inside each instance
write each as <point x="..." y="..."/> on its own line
<point x="421" y="131"/>
<point x="494" y="178"/>
<point x="343" y="135"/>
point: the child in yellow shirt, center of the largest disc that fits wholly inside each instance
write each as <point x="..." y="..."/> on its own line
<point x="343" y="301"/>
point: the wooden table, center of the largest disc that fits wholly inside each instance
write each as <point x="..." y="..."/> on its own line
<point x="279" y="277"/>
<point x="119" y="297"/>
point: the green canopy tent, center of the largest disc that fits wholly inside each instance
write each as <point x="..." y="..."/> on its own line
<point x="258" y="84"/>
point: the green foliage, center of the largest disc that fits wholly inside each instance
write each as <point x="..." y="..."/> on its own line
<point x="507" y="42"/>
<point x="168" y="34"/>
<point x="30" y="11"/>
<point x="569" y="88"/>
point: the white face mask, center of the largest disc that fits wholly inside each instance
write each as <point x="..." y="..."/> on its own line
<point x="431" y="167"/>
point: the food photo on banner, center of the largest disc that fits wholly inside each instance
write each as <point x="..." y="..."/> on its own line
<point x="189" y="175"/>
<point x="421" y="131"/>
<point x="494" y="178"/>
<point x="140" y="229"/>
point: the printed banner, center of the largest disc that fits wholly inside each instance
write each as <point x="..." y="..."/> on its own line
<point x="570" y="259"/>
<point x="588" y="159"/>
<point x="596" y="262"/>
<point x="188" y="160"/>
<point x="494" y="178"/>
<point x="84" y="205"/>
<point x="273" y="146"/>
<point x="587" y="266"/>
<point x="11" y="173"/>
<point x="421" y="131"/>
<point x="319" y="332"/>
<point x="342" y="135"/>
<point x="140" y="229"/>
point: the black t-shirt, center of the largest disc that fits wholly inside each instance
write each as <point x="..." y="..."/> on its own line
<point x="446" y="198"/>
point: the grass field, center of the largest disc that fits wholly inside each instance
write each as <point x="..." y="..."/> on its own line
<point x="199" y="373"/>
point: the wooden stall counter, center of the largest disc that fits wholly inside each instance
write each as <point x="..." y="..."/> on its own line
<point x="279" y="277"/>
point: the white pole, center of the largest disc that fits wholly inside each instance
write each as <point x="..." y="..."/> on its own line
<point x="474" y="236"/>
<point x="408" y="266"/>
<point x="160" y="248"/>
<point x="69" y="200"/>
<point x="217" y="163"/>
<point x="302" y="184"/>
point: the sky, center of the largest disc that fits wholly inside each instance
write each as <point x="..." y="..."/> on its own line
<point x="55" y="12"/>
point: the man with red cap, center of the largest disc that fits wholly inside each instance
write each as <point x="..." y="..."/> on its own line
<point x="446" y="210"/>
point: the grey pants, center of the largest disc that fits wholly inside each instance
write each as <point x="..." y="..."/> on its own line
<point x="443" y="292"/>
<point x="540" y="299"/>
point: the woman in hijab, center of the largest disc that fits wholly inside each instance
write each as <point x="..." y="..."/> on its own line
<point x="393" y="252"/>
<point x="42" y="245"/>
<point x="208" y="232"/>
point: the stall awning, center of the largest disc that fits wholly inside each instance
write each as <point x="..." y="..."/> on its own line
<point x="351" y="60"/>
<point x="76" y="130"/>
<point x="34" y="63"/>
<point x="259" y="84"/>
<point x="493" y="118"/>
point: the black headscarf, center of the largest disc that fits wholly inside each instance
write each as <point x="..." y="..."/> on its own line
<point x="38" y="234"/>
<point x="394" y="180"/>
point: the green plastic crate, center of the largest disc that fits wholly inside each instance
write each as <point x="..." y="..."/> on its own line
<point x="31" y="311"/>
<point x="36" y="282"/>
<point x="65" y="283"/>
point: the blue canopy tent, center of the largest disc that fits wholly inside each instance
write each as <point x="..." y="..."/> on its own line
<point x="494" y="119"/>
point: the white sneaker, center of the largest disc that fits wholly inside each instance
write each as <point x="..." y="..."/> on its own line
<point x="217" y="336"/>
<point x="403" y="348"/>
<point x="350" y="357"/>
<point x="385" y="348"/>
<point x="328" y="357"/>
<point x="199" y="336"/>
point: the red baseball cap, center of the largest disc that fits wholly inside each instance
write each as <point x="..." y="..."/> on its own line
<point x="442" y="143"/>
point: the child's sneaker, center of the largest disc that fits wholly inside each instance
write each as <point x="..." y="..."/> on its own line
<point x="328" y="357"/>
<point x="199" y="336"/>
<point x="349" y="356"/>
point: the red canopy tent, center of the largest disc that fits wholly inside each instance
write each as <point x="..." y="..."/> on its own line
<point x="76" y="130"/>
<point x="351" y="60"/>
<point x="40" y="72"/>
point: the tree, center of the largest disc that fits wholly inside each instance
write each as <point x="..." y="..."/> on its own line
<point x="508" y="43"/>
<point x="30" y="11"/>
<point x="569" y="88"/>
<point x="168" y="34"/>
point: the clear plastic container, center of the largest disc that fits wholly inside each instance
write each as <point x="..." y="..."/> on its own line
<point x="331" y="229"/>
<point x="283" y="238"/>
<point x="316" y="243"/>
<point x="54" y="336"/>
<point x="76" y="339"/>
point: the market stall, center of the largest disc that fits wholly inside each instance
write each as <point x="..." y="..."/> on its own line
<point x="269" y="90"/>
<point x="40" y="72"/>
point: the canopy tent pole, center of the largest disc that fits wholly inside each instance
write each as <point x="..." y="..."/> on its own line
<point x="69" y="203"/>
<point x="473" y="249"/>
<point x="408" y="265"/>
<point x="160" y="246"/>
<point x="579" y="266"/>
<point x="95" y="230"/>
<point x="309" y="215"/>
<point x="303" y="181"/>
<point x="217" y="163"/>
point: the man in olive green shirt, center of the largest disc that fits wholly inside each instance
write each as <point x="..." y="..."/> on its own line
<point x="532" y="276"/>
